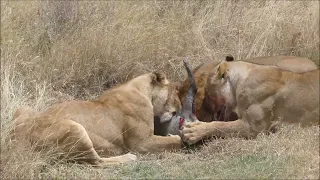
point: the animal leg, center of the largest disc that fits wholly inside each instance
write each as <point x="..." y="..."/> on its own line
<point x="157" y="144"/>
<point x="21" y="119"/>
<point x="194" y="132"/>
<point x="141" y="138"/>
<point x="73" y="141"/>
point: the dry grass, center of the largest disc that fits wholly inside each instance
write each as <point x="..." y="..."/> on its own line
<point x="291" y="153"/>
<point x="52" y="51"/>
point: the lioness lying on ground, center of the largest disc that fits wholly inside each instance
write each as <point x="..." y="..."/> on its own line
<point x="263" y="94"/>
<point x="210" y="108"/>
<point x="118" y="121"/>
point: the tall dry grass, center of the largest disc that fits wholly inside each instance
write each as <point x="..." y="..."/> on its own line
<point x="81" y="48"/>
<point x="57" y="50"/>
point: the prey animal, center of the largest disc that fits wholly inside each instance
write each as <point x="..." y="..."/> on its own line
<point x="186" y="114"/>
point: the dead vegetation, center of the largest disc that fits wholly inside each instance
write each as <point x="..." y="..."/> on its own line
<point x="52" y="51"/>
<point x="291" y="153"/>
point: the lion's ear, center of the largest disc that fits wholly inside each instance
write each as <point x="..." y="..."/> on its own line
<point x="229" y="58"/>
<point x="177" y="85"/>
<point x="159" y="78"/>
<point x="222" y="70"/>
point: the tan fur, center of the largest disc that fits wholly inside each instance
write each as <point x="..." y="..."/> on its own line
<point x="264" y="95"/>
<point x="206" y="104"/>
<point x="120" y="120"/>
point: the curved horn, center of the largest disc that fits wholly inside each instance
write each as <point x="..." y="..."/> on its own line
<point x="193" y="86"/>
<point x="188" y="108"/>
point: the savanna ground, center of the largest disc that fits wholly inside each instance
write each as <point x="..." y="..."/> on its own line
<point x="52" y="51"/>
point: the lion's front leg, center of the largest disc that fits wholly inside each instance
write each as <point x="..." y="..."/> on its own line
<point x="194" y="132"/>
<point x="141" y="139"/>
<point x="156" y="144"/>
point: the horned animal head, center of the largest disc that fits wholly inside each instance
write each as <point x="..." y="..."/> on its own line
<point x="188" y="110"/>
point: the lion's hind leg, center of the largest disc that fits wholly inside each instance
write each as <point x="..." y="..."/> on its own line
<point x="20" y="122"/>
<point x="75" y="144"/>
<point x="25" y="111"/>
<point x="22" y="116"/>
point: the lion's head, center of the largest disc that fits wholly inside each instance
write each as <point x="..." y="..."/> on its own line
<point x="220" y="88"/>
<point x="165" y="98"/>
<point x="209" y="103"/>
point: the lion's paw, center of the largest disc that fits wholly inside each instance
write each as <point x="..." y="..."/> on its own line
<point x="129" y="157"/>
<point x="194" y="132"/>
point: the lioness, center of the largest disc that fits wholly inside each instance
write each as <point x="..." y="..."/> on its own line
<point x="263" y="94"/>
<point x="209" y="107"/>
<point x="120" y="120"/>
